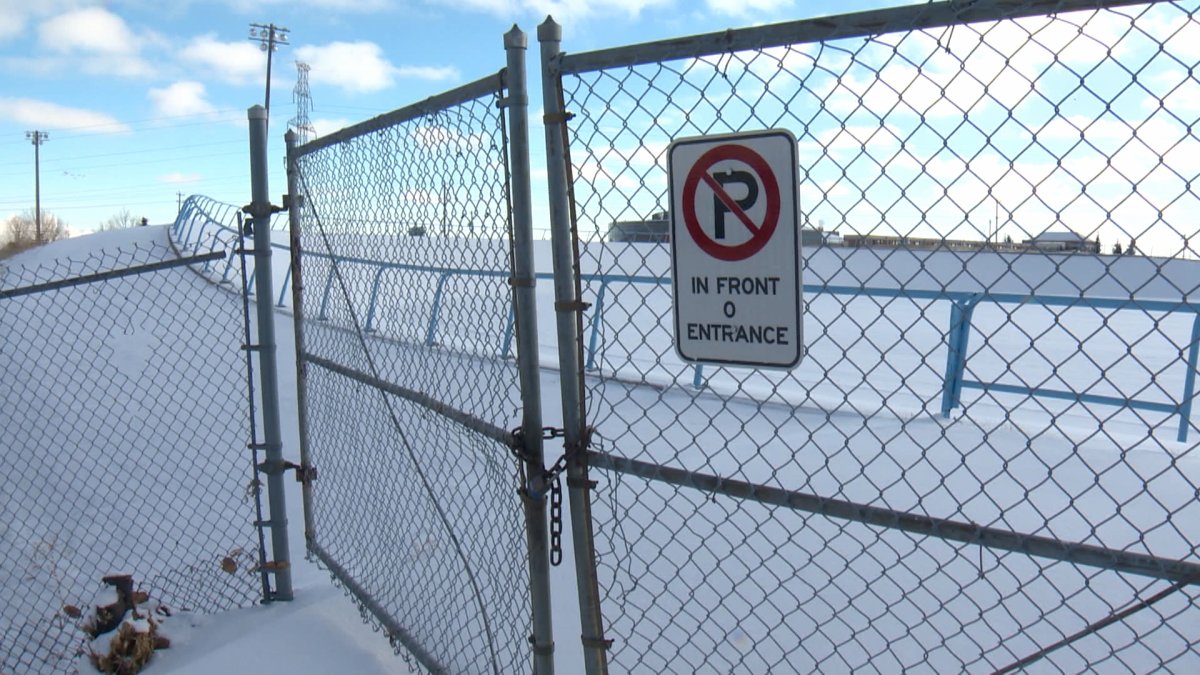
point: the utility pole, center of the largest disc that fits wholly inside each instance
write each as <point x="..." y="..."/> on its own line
<point x="178" y="203"/>
<point x="38" y="137"/>
<point x="268" y="37"/>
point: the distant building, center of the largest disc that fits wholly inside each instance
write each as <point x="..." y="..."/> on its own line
<point x="898" y="241"/>
<point x="1062" y="242"/>
<point x="657" y="229"/>
<point x="810" y="237"/>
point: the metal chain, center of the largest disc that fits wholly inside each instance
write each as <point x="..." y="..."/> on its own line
<point x="556" y="520"/>
<point x="551" y="477"/>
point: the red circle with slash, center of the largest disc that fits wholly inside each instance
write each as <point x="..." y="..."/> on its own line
<point x="760" y="233"/>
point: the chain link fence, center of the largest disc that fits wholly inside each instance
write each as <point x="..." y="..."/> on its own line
<point x="986" y="459"/>
<point x="124" y="443"/>
<point x="405" y="324"/>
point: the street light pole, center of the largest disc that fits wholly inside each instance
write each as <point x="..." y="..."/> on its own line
<point x="269" y="37"/>
<point x="38" y="137"/>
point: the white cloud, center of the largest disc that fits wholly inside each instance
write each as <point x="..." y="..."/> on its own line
<point x="361" y="67"/>
<point x="356" y="6"/>
<point x="15" y="14"/>
<point x="565" y="12"/>
<point x="747" y="7"/>
<point x="90" y="31"/>
<point x="99" y="40"/>
<point x="232" y="62"/>
<point x="178" y="178"/>
<point x="181" y="98"/>
<point x="324" y="127"/>
<point x="47" y="115"/>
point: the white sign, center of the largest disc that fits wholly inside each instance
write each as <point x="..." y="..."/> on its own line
<point x="735" y="249"/>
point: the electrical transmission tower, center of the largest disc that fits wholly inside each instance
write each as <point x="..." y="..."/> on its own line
<point x="301" y="123"/>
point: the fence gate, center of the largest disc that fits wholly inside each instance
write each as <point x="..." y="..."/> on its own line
<point x="413" y="277"/>
<point x="983" y="461"/>
<point x="123" y="434"/>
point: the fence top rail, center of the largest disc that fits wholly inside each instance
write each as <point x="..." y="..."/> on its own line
<point x="111" y="274"/>
<point x="487" y="85"/>
<point x="857" y="25"/>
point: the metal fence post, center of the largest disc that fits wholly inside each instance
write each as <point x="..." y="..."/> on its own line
<point x="528" y="364"/>
<point x="295" y="204"/>
<point x="260" y="211"/>
<point x="568" y="313"/>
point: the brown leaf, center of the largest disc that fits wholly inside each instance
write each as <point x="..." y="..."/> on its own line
<point x="140" y="597"/>
<point x="229" y="565"/>
<point x="72" y="611"/>
<point x="162" y="642"/>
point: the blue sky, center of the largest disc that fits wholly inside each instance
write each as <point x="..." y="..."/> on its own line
<point x="1083" y="121"/>
<point x="146" y="99"/>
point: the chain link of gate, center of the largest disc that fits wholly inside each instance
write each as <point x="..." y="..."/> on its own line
<point x="406" y="271"/>
<point x="124" y="444"/>
<point x="986" y="459"/>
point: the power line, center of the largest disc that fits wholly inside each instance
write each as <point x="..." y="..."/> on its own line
<point x="222" y="116"/>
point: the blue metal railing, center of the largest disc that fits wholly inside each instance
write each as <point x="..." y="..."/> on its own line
<point x="958" y="331"/>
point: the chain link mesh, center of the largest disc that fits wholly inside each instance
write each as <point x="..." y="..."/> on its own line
<point x="962" y="365"/>
<point x="409" y="386"/>
<point x="124" y="445"/>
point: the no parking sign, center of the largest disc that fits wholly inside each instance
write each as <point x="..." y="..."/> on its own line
<point x="735" y="249"/>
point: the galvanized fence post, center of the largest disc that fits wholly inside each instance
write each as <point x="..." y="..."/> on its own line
<point x="260" y="211"/>
<point x="568" y="314"/>
<point x="295" y="204"/>
<point x="528" y="364"/>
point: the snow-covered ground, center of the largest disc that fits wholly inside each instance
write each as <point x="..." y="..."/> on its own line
<point x="321" y="631"/>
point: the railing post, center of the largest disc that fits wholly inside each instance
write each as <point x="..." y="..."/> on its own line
<point x="528" y="363"/>
<point x="957" y="337"/>
<point x="369" y="325"/>
<point x="287" y="277"/>
<point x="594" y="328"/>
<point x="510" y="326"/>
<point x="321" y="314"/>
<point x="260" y="210"/>
<point x="435" y="312"/>
<point x="568" y="315"/>
<point x="1189" y="382"/>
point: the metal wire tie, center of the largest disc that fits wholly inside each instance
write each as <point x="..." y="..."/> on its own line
<point x="558" y="117"/>
<point x="596" y="643"/>
<point x="581" y="483"/>
<point x="572" y="306"/>
<point x="304" y="473"/>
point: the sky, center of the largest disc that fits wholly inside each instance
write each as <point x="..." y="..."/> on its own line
<point x="144" y="102"/>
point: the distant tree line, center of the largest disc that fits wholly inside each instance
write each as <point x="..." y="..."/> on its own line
<point x="20" y="232"/>
<point x="119" y="221"/>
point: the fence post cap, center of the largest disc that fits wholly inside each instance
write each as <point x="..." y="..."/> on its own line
<point x="549" y="31"/>
<point x="516" y="38"/>
<point x="256" y="112"/>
